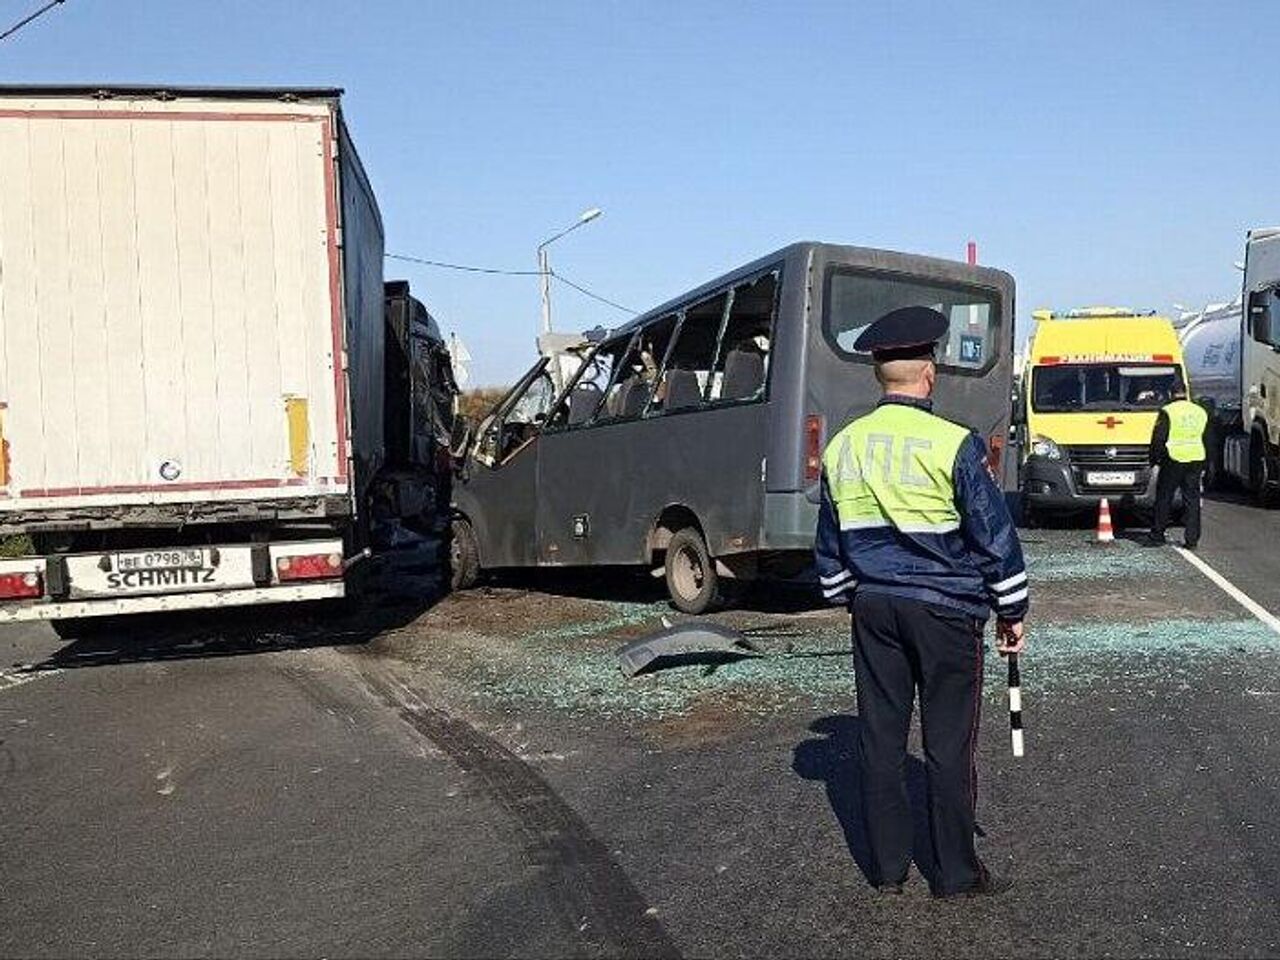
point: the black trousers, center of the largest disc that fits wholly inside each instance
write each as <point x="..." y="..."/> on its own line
<point x="900" y="647"/>
<point x="1176" y="476"/>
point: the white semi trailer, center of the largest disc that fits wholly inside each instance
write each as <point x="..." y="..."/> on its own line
<point x="194" y="340"/>
<point x="1233" y="359"/>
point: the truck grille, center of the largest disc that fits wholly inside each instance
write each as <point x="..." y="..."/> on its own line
<point x="1089" y="458"/>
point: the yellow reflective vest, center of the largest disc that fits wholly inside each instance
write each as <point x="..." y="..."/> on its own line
<point x="1187" y="421"/>
<point x="893" y="468"/>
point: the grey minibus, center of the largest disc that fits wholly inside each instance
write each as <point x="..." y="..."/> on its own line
<point x="690" y="439"/>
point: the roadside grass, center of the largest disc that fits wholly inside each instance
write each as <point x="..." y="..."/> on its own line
<point x="15" y="546"/>
<point x="475" y="404"/>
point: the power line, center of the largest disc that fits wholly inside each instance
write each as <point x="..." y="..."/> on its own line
<point x="459" y="266"/>
<point x="497" y="271"/>
<point x="594" y="296"/>
<point x="28" y="19"/>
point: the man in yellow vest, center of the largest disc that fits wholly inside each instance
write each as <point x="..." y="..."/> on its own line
<point x="914" y="535"/>
<point x="1177" y="450"/>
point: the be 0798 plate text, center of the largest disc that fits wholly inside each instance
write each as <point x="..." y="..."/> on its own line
<point x="174" y="559"/>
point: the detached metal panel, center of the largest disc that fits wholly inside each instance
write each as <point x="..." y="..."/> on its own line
<point x="170" y="301"/>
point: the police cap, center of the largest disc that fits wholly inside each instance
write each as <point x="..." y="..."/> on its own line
<point x="908" y="333"/>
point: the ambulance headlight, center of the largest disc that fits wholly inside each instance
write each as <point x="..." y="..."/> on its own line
<point x="1044" y="447"/>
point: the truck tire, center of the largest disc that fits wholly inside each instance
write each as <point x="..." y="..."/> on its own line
<point x="692" y="580"/>
<point x="464" y="555"/>
<point x="1262" y="472"/>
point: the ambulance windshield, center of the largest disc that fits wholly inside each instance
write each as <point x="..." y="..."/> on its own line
<point x="1070" y="387"/>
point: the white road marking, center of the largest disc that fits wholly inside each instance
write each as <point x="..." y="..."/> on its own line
<point x="17" y="677"/>
<point x="1231" y="590"/>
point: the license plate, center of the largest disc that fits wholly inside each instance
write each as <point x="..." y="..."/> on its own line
<point x="175" y="559"/>
<point x="1111" y="478"/>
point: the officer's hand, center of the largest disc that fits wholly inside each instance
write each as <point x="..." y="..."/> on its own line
<point x="1010" y="637"/>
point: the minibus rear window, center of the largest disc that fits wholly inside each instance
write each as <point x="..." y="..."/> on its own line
<point x="856" y="299"/>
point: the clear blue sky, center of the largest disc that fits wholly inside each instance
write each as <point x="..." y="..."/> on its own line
<point x="1102" y="152"/>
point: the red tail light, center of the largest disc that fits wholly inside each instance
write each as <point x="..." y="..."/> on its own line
<point x="17" y="586"/>
<point x="812" y="448"/>
<point x="995" y="452"/>
<point x="1163" y="358"/>
<point x="311" y="566"/>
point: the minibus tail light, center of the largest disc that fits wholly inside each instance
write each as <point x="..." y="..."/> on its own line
<point x="813" y="429"/>
<point x="995" y="453"/>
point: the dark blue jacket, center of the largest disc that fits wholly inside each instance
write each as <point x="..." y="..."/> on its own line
<point x="976" y="569"/>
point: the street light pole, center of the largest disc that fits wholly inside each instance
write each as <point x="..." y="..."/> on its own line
<point x="544" y="273"/>
<point x="544" y="262"/>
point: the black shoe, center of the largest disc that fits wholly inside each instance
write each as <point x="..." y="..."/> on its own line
<point x="987" y="885"/>
<point x="1154" y="540"/>
<point x="889" y="889"/>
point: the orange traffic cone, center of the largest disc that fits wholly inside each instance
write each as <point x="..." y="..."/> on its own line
<point x="1105" y="532"/>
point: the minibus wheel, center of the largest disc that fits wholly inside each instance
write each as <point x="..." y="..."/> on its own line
<point x="692" y="580"/>
<point x="464" y="555"/>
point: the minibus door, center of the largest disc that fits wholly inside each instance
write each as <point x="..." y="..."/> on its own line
<point x="498" y="489"/>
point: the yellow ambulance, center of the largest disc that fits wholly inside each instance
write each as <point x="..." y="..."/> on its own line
<point x="1092" y="383"/>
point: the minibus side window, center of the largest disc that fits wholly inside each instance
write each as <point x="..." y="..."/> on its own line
<point x="523" y="422"/>
<point x="688" y="372"/>
<point x="743" y="355"/>
<point x="581" y="403"/>
<point x="495" y="442"/>
<point x="638" y="374"/>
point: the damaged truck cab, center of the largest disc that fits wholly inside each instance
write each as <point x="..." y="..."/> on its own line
<point x="690" y="440"/>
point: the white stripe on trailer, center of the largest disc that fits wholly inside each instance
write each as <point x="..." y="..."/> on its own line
<point x="330" y="589"/>
<point x="1231" y="590"/>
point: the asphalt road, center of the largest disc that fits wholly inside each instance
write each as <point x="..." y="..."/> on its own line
<point x="246" y="804"/>
<point x="259" y="787"/>
<point x="1242" y="542"/>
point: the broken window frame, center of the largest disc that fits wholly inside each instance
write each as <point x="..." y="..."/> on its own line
<point x="683" y="315"/>
<point x="633" y="347"/>
<point x="494" y="421"/>
<point x="762" y="395"/>
<point x="762" y="392"/>
<point x="562" y="401"/>
<point x="680" y="314"/>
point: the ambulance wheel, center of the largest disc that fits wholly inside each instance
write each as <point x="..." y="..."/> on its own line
<point x="464" y="555"/>
<point x="692" y="580"/>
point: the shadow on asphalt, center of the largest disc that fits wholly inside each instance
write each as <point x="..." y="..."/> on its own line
<point x="832" y="757"/>
<point x="625" y="585"/>
<point x="394" y="597"/>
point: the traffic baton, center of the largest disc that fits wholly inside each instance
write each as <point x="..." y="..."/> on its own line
<point x="1015" y="705"/>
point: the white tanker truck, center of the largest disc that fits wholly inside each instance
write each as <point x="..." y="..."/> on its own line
<point x="1232" y="354"/>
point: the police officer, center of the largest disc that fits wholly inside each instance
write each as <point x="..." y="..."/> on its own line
<point x="1177" y="447"/>
<point x="914" y="534"/>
